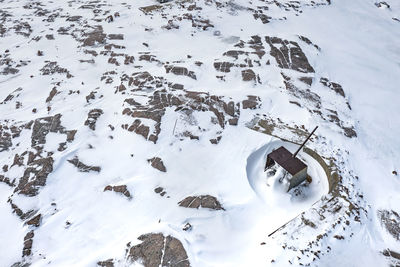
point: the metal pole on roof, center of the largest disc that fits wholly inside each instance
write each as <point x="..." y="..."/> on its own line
<point x="305" y="141"/>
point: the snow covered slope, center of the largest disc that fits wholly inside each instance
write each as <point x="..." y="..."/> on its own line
<point x="134" y="133"/>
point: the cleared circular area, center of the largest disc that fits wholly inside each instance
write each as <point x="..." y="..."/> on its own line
<point x="272" y="189"/>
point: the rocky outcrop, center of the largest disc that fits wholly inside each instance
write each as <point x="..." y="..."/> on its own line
<point x="121" y="189"/>
<point x="35" y="221"/>
<point x="203" y="201"/>
<point x="35" y="176"/>
<point x="390" y="220"/>
<point x="28" y="242"/>
<point x="181" y="71"/>
<point x="157" y="163"/>
<point x="53" y="68"/>
<point x="93" y="115"/>
<point x="186" y="100"/>
<point x="95" y="37"/>
<point x="337" y="88"/>
<point x="83" y="167"/>
<point x="158" y="250"/>
<point x="288" y="55"/>
<point x="252" y="102"/>
<point x="106" y="263"/>
<point x="45" y="125"/>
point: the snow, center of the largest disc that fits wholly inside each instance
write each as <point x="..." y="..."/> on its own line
<point x="359" y="50"/>
<point x="12" y="232"/>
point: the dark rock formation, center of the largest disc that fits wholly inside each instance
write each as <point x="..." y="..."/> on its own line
<point x="35" y="221"/>
<point x="106" y="263"/>
<point x="203" y="201"/>
<point x="390" y="220"/>
<point x="180" y="71"/>
<point x="95" y="37"/>
<point x="288" y="55"/>
<point x="28" y="242"/>
<point x="52" y="68"/>
<point x="42" y="126"/>
<point x="248" y="75"/>
<point x="83" y="167"/>
<point x="158" y="164"/>
<point x="252" y="102"/>
<point x="122" y="189"/>
<point x="187" y="100"/>
<point x="157" y="250"/>
<point x="35" y="175"/>
<point x="53" y="92"/>
<point x="223" y="66"/>
<point x="160" y="190"/>
<point x="333" y="86"/>
<point x="93" y="115"/>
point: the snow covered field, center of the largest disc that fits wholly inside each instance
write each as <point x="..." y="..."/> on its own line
<point x="135" y="133"/>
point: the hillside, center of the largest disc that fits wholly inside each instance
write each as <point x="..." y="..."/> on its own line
<point x="135" y="133"/>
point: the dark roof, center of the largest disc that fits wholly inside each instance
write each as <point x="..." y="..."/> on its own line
<point x="285" y="159"/>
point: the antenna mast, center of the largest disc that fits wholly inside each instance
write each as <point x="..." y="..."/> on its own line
<point x="305" y="141"/>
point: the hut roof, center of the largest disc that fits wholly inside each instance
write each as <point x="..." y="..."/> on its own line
<point x="285" y="159"/>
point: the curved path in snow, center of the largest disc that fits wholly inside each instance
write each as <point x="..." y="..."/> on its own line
<point x="273" y="193"/>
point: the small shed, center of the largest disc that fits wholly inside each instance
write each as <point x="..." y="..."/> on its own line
<point x="294" y="166"/>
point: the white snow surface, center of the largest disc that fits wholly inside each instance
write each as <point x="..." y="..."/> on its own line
<point x="360" y="50"/>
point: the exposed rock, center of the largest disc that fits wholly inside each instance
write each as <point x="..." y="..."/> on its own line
<point x="301" y="93"/>
<point x="93" y="115"/>
<point x="215" y="140"/>
<point x="35" y="221"/>
<point x="157" y="163"/>
<point x="6" y="180"/>
<point x="157" y="250"/>
<point x="252" y="102"/>
<point x="122" y="189"/>
<point x="187" y="100"/>
<point x="138" y="128"/>
<point x="190" y="135"/>
<point x="52" y="67"/>
<point x="223" y="66"/>
<point x="333" y="86"/>
<point x="95" y="37"/>
<point x="149" y="58"/>
<point x="13" y="94"/>
<point x="106" y="263"/>
<point x="382" y="4"/>
<point x="248" y="75"/>
<point x="5" y="138"/>
<point x="43" y="126"/>
<point x="53" y="92"/>
<point x="160" y="190"/>
<point x="28" y="242"/>
<point x="390" y="220"/>
<point x="288" y="55"/>
<point x="264" y="18"/>
<point x="308" y="41"/>
<point x="393" y="256"/>
<point x="187" y="227"/>
<point x="235" y="53"/>
<point x="306" y="80"/>
<point x="23" y="216"/>
<point x="83" y="167"/>
<point x="115" y="36"/>
<point x="349" y="132"/>
<point x="179" y="71"/>
<point x="203" y="201"/>
<point x="35" y="175"/>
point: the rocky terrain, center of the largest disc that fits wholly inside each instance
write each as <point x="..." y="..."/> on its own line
<point x="134" y="133"/>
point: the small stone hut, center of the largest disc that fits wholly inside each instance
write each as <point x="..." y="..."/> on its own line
<point x="294" y="166"/>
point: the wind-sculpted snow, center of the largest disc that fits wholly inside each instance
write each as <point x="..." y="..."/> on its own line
<point x="120" y="118"/>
